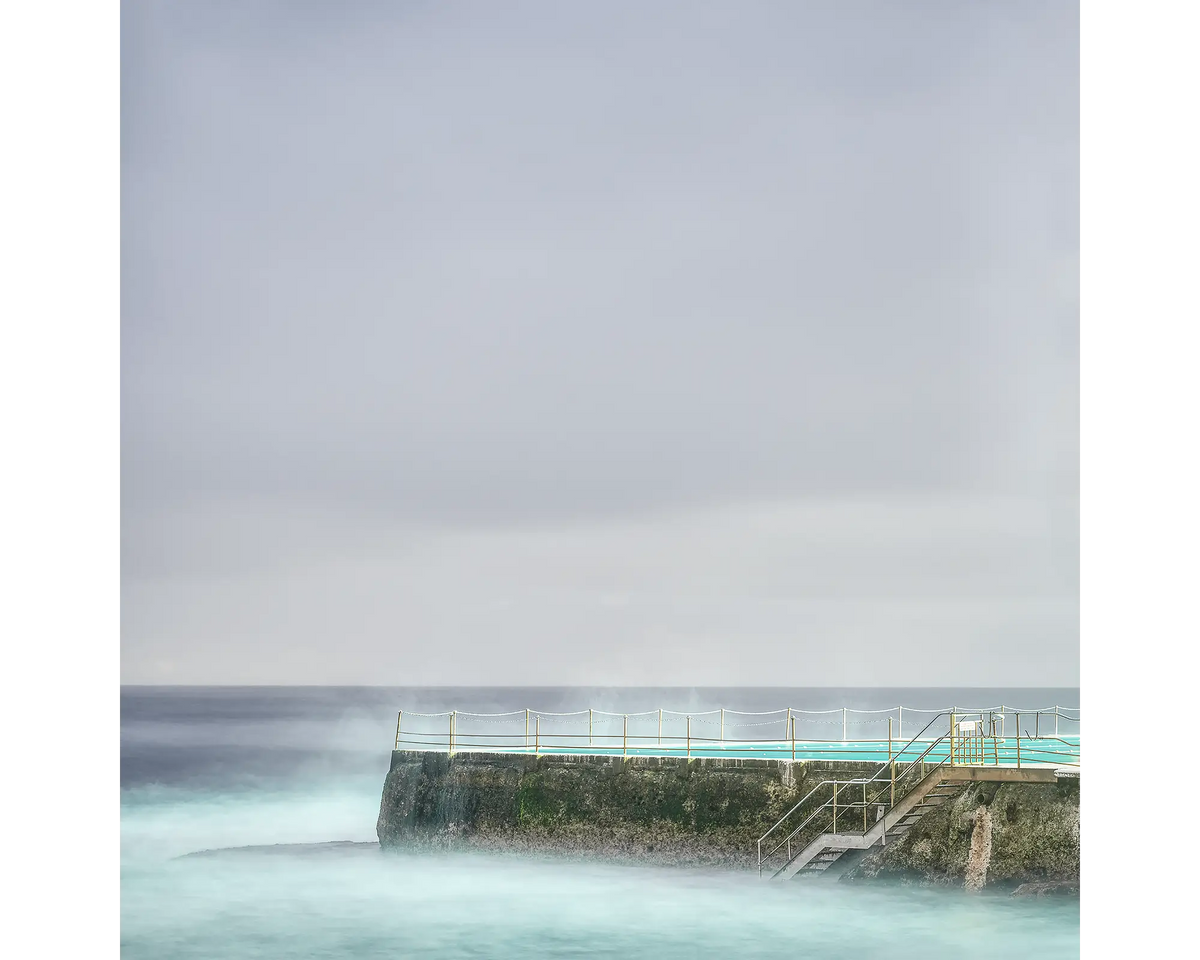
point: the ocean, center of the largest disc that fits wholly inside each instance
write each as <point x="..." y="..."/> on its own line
<point x="248" y="828"/>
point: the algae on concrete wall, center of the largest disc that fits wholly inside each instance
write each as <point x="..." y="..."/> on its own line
<point x="704" y="811"/>
<point x="707" y="812"/>
<point x="1034" y="837"/>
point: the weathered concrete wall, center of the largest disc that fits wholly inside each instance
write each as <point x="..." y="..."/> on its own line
<point x="1031" y="836"/>
<point x="668" y="810"/>
<point x="706" y="812"/>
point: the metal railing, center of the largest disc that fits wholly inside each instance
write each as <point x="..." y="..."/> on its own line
<point x="865" y="735"/>
<point x="921" y="755"/>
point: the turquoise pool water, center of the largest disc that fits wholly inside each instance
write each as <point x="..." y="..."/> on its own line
<point x="1061" y="751"/>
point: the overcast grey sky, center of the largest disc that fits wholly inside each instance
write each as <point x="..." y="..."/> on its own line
<point x="600" y="343"/>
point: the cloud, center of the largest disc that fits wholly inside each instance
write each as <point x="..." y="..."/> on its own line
<point x="414" y="267"/>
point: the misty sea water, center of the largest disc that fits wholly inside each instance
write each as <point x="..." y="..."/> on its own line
<point x="217" y="769"/>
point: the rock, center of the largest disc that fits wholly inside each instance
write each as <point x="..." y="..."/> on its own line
<point x="1048" y="888"/>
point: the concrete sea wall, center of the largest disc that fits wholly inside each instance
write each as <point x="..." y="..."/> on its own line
<point x="706" y="812"/>
<point x="996" y="835"/>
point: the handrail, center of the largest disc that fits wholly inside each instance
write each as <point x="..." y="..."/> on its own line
<point x="502" y="732"/>
<point x="885" y="766"/>
<point x="854" y="804"/>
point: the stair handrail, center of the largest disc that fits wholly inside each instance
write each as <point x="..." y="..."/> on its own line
<point x="852" y="803"/>
<point x="883" y="768"/>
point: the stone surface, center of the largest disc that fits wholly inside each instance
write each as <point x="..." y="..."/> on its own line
<point x="1048" y="888"/>
<point x="1034" y="837"/>
<point x="705" y="813"/>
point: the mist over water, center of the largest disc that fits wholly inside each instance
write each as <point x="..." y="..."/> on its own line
<point x="213" y="769"/>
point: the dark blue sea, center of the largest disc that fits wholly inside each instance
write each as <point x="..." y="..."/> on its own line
<point x="248" y="827"/>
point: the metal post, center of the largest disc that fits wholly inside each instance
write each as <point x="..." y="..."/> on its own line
<point x="1003" y="714"/>
<point x="625" y="735"/>
<point x="589" y="726"/>
<point x="526" y="728"/>
<point x="660" y="726"/>
<point x="835" y="786"/>
<point x="894" y="783"/>
<point x="451" y="731"/>
<point x="793" y="726"/>
<point x="952" y="715"/>
<point x="1018" y="741"/>
<point x="864" y="806"/>
<point x="1056" y="719"/>
<point x="889" y="739"/>
<point x="843" y="724"/>
<point x="399" y="716"/>
<point x="900" y="725"/>
<point x="689" y="737"/>
<point x="722" y="724"/>
<point x="1037" y="725"/>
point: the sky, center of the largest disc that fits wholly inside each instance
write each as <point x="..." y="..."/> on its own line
<point x="600" y="343"/>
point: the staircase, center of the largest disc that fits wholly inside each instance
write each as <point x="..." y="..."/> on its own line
<point x="900" y="800"/>
<point x="820" y="855"/>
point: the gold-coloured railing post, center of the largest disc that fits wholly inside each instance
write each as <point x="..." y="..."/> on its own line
<point x="1018" y="741"/>
<point x="526" y="728"/>
<point x="900" y="724"/>
<point x="689" y="737"/>
<point x="843" y="724"/>
<point x="892" y="762"/>
<point x="625" y="735"/>
<point x="1037" y="724"/>
<point x="451" y="750"/>
<point x="793" y="726"/>
<point x="399" y="717"/>
<point x="952" y="739"/>
<point x="537" y="734"/>
<point x="1003" y="717"/>
<point x="1056" y="719"/>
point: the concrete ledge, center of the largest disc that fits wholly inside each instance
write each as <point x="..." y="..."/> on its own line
<point x="1001" y="774"/>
